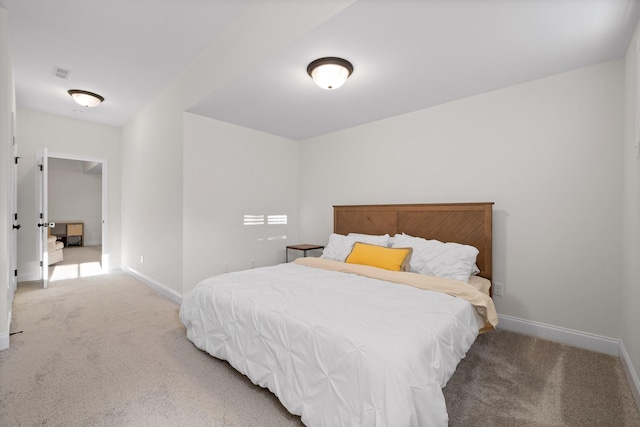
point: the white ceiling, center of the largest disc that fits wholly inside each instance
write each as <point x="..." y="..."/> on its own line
<point x="407" y="55"/>
<point x="124" y="50"/>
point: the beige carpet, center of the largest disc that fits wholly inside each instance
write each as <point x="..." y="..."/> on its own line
<point x="77" y="261"/>
<point x="107" y="350"/>
<point x="509" y="379"/>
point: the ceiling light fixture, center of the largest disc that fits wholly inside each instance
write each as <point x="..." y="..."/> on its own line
<point x="86" y="99"/>
<point x="330" y="73"/>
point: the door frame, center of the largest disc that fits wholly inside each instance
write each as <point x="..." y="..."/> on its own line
<point x="44" y="272"/>
<point x="42" y="197"/>
<point x="13" y="194"/>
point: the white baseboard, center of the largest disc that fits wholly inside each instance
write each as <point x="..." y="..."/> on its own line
<point x="155" y="285"/>
<point x="4" y="341"/>
<point x="632" y="376"/>
<point x="4" y="337"/>
<point x="28" y="277"/>
<point x="562" y="335"/>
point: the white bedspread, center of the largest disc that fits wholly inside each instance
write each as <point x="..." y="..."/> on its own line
<point x="337" y="349"/>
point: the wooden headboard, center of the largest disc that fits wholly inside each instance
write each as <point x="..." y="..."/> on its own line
<point x="465" y="223"/>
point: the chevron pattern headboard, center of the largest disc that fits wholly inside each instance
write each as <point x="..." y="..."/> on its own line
<point x="465" y="223"/>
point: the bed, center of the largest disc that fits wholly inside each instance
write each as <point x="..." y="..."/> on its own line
<point x="350" y="344"/>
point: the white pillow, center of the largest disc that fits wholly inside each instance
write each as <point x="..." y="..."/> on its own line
<point x="432" y="257"/>
<point x="338" y="248"/>
<point x="382" y="240"/>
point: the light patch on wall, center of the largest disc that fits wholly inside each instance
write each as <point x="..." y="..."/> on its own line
<point x="268" y="239"/>
<point x="260" y="219"/>
<point x="277" y="238"/>
<point x="253" y="220"/>
<point x="277" y="219"/>
<point x="270" y="220"/>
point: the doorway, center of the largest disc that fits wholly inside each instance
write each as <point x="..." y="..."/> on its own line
<point x="74" y="207"/>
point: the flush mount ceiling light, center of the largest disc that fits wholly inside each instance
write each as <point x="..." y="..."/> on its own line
<point x="330" y="73"/>
<point x="86" y="99"/>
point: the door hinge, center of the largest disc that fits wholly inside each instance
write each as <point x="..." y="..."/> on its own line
<point x="41" y="264"/>
<point x="41" y="169"/>
<point x="15" y="272"/>
<point x="15" y="216"/>
<point x="16" y="159"/>
<point x="41" y="215"/>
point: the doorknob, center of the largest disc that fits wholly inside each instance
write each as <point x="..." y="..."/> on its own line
<point x="17" y="227"/>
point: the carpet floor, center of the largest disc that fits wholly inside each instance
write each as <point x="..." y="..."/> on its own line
<point x="106" y="350"/>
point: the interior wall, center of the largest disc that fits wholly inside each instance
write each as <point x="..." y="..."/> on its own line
<point x="153" y="220"/>
<point x="76" y="196"/>
<point x="229" y="172"/>
<point x="152" y="194"/>
<point x="547" y="152"/>
<point x="36" y="131"/>
<point x="7" y="107"/>
<point x="630" y="300"/>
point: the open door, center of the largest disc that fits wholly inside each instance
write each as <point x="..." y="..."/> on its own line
<point x="43" y="220"/>
<point x="13" y="253"/>
<point x="46" y="166"/>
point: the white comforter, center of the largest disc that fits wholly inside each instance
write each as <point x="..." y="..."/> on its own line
<point x="337" y="349"/>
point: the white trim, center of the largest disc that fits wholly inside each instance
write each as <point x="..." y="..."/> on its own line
<point x="4" y="338"/>
<point x="562" y="335"/>
<point x="632" y="377"/>
<point x="29" y="277"/>
<point x="79" y="157"/>
<point x="155" y="285"/>
<point x="4" y="341"/>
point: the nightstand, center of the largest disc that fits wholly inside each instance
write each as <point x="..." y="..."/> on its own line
<point x="304" y="248"/>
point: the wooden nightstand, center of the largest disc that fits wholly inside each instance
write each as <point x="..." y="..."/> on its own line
<point x="304" y="248"/>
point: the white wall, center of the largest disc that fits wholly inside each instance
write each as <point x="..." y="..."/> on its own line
<point x="76" y="196"/>
<point x="630" y="300"/>
<point x="547" y="152"/>
<point x="152" y="194"/>
<point x="7" y="106"/>
<point x="229" y="172"/>
<point x="62" y="135"/>
<point x="152" y="197"/>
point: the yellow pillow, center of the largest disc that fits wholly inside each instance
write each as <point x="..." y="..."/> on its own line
<point x="395" y="259"/>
